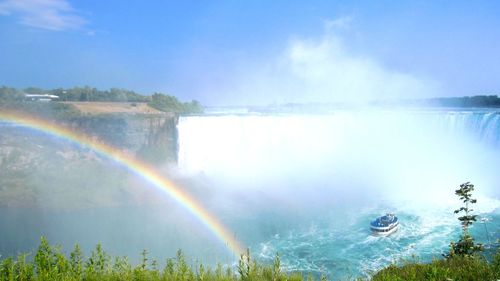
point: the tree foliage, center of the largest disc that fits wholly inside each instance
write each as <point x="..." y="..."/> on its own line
<point x="172" y="104"/>
<point x="474" y="101"/>
<point x="465" y="246"/>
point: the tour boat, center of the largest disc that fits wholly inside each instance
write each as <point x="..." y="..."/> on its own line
<point x="384" y="225"/>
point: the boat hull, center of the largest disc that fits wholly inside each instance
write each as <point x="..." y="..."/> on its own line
<point x="384" y="232"/>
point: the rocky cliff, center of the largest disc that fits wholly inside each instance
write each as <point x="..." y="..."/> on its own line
<point x="152" y="137"/>
<point x="41" y="170"/>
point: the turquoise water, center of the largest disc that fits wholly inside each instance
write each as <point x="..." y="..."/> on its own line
<point x="346" y="249"/>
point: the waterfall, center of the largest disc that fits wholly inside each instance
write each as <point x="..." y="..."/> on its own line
<point x="484" y="126"/>
<point x="228" y="139"/>
<point x="387" y="149"/>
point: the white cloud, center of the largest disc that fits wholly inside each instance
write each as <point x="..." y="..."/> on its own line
<point x="57" y="15"/>
<point x="321" y="69"/>
<point x="342" y="22"/>
<point x="328" y="71"/>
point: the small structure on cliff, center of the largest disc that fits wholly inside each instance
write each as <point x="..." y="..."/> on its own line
<point x="39" y="97"/>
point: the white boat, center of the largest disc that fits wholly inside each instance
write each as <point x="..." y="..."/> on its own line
<point x="384" y="225"/>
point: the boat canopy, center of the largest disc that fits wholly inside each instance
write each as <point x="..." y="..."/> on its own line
<point x="385" y="221"/>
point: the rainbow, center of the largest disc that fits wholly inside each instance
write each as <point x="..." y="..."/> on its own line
<point x="141" y="169"/>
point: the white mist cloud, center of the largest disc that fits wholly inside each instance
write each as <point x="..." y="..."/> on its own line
<point x="56" y="15"/>
<point x="328" y="72"/>
<point x="323" y="69"/>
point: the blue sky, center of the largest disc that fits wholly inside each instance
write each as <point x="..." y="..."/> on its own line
<point x="255" y="52"/>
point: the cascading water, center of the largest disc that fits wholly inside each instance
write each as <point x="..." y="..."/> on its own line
<point x="307" y="186"/>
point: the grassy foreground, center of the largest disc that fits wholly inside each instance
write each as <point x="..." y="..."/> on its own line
<point x="456" y="268"/>
<point x="49" y="263"/>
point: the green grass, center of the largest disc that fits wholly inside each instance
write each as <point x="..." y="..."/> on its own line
<point x="455" y="268"/>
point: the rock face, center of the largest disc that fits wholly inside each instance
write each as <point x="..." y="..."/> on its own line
<point x="151" y="137"/>
<point x="37" y="169"/>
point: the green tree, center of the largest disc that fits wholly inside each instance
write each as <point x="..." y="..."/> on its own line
<point x="172" y="104"/>
<point x="465" y="246"/>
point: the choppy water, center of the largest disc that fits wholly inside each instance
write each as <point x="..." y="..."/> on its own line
<point x="346" y="249"/>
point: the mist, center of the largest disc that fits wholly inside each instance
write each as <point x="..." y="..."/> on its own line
<point x="72" y="195"/>
<point x="404" y="153"/>
<point x="312" y="69"/>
